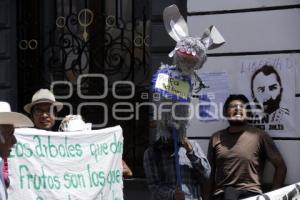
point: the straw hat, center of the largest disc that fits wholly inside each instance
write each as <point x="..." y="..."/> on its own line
<point x="43" y="96"/>
<point x="13" y="118"/>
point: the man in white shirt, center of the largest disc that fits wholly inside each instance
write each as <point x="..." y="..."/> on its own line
<point x="8" y="122"/>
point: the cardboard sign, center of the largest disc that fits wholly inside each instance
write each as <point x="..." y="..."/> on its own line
<point x="169" y="83"/>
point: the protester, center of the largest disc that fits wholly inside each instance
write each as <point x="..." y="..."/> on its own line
<point x="43" y="109"/>
<point x="159" y="166"/>
<point x="8" y="122"/>
<point x="238" y="153"/>
<point x="76" y="123"/>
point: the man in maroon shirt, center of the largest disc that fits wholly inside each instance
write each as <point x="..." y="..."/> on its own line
<point x="237" y="156"/>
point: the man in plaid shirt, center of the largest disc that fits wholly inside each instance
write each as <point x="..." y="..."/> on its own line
<point x="159" y="166"/>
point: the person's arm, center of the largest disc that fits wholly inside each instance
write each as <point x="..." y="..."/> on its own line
<point x="198" y="159"/>
<point x="276" y="159"/>
<point x="208" y="187"/>
<point x="126" y="170"/>
<point x="5" y="172"/>
<point x="157" y="188"/>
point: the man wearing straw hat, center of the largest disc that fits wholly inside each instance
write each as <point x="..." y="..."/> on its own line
<point x="43" y="109"/>
<point x="8" y="122"/>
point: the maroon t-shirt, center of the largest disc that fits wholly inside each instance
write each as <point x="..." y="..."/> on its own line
<point x="238" y="159"/>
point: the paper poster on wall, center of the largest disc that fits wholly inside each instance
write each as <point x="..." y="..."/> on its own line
<point x="212" y="96"/>
<point x="270" y="85"/>
<point x="67" y="166"/>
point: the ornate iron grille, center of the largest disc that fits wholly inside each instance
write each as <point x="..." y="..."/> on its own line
<point x="60" y="40"/>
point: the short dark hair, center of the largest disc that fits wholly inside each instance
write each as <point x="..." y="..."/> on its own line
<point x="266" y="70"/>
<point x="233" y="97"/>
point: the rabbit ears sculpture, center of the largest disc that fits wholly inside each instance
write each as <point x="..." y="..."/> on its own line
<point x="177" y="28"/>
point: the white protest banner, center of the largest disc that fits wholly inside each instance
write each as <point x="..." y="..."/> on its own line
<point x="291" y="192"/>
<point x="270" y="84"/>
<point x="48" y="165"/>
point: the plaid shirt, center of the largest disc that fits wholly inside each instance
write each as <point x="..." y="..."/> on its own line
<point x="159" y="166"/>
